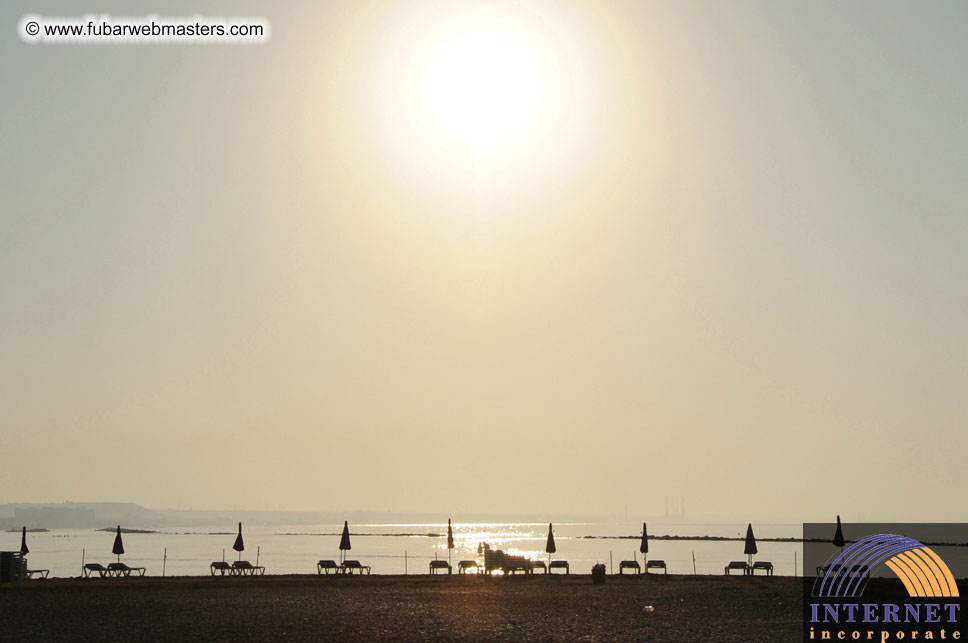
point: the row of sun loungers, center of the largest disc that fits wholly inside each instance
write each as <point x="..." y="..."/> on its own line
<point x="348" y="567"/>
<point x="634" y="564"/>
<point x="115" y="570"/>
<point x="750" y="570"/>
<point x="497" y="560"/>
<point x="237" y="568"/>
<point x="494" y="560"/>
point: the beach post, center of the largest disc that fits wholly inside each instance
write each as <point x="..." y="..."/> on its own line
<point x="258" y="550"/>
<point x="694" y="563"/>
<point x="82" y="561"/>
<point x="794" y="563"/>
<point x="164" y="563"/>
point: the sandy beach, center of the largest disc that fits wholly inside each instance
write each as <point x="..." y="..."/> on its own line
<point x="411" y="608"/>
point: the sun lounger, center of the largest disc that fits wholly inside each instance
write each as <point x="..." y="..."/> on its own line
<point x="656" y="564"/>
<point x="327" y="566"/>
<point x="738" y="565"/>
<point x="91" y="568"/>
<point x="837" y="570"/>
<point x="43" y="573"/>
<point x="120" y="569"/>
<point x="539" y="564"/>
<point x="514" y="566"/>
<point x="437" y="565"/>
<point x="765" y="565"/>
<point x="349" y="566"/>
<point x="629" y="564"/>
<point x="464" y="565"/>
<point x="245" y="568"/>
<point x="559" y="564"/>
<point x="221" y="567"/>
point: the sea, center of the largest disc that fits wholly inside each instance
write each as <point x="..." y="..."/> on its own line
<point x="408" y="548"/>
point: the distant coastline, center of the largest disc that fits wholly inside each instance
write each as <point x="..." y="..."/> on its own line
<point x="95" y="515"/>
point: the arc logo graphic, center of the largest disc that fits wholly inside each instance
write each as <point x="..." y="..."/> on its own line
<point x="922" y="571"/>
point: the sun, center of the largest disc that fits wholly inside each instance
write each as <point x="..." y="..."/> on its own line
<point x="482" y="87"/>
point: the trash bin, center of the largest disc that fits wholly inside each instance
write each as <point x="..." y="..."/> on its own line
<point x="598" y="573"/>
<point x="11" y="567"/>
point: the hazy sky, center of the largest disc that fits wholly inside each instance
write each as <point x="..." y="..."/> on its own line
<point x="530" y="257"/>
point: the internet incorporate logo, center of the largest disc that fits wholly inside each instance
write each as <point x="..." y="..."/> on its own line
<point x="922" y="571"/>
<point x="884" y="587"/>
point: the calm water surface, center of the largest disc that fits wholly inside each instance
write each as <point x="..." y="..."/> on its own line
<point x="404" y="548"/>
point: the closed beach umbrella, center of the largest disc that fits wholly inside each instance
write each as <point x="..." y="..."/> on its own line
<point x="450" y="540"/>
<point x="839" y="536"/>
<point x="23" y="543"/>
<point x="550" y="545"/>
<point x="344" y="540"/>
<point x="239" y="545"/>
<point x="750" y="548"/>
<point x="118" y="548"/>
<point x="644" y="545"/>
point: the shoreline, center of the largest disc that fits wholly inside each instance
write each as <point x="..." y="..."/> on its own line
<point x="416" y="577"/>
<point x="311" y="577"/>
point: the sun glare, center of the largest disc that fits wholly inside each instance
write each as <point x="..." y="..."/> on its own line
<point x="480" y="88"/>
<point x="483" y="86"/>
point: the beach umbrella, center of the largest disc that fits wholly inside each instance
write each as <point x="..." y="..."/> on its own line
<point x="839" y="536"/>
<point x="344" y="540"/>
<point x="750" y="548"/>
<point x="239" y="545"/>
<point x="23" y="543"/>
<point x="550" y="546"/>
<point x="450" y="540"/>
<point x="644" y="545"/>
<point x="118" y="548"/>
